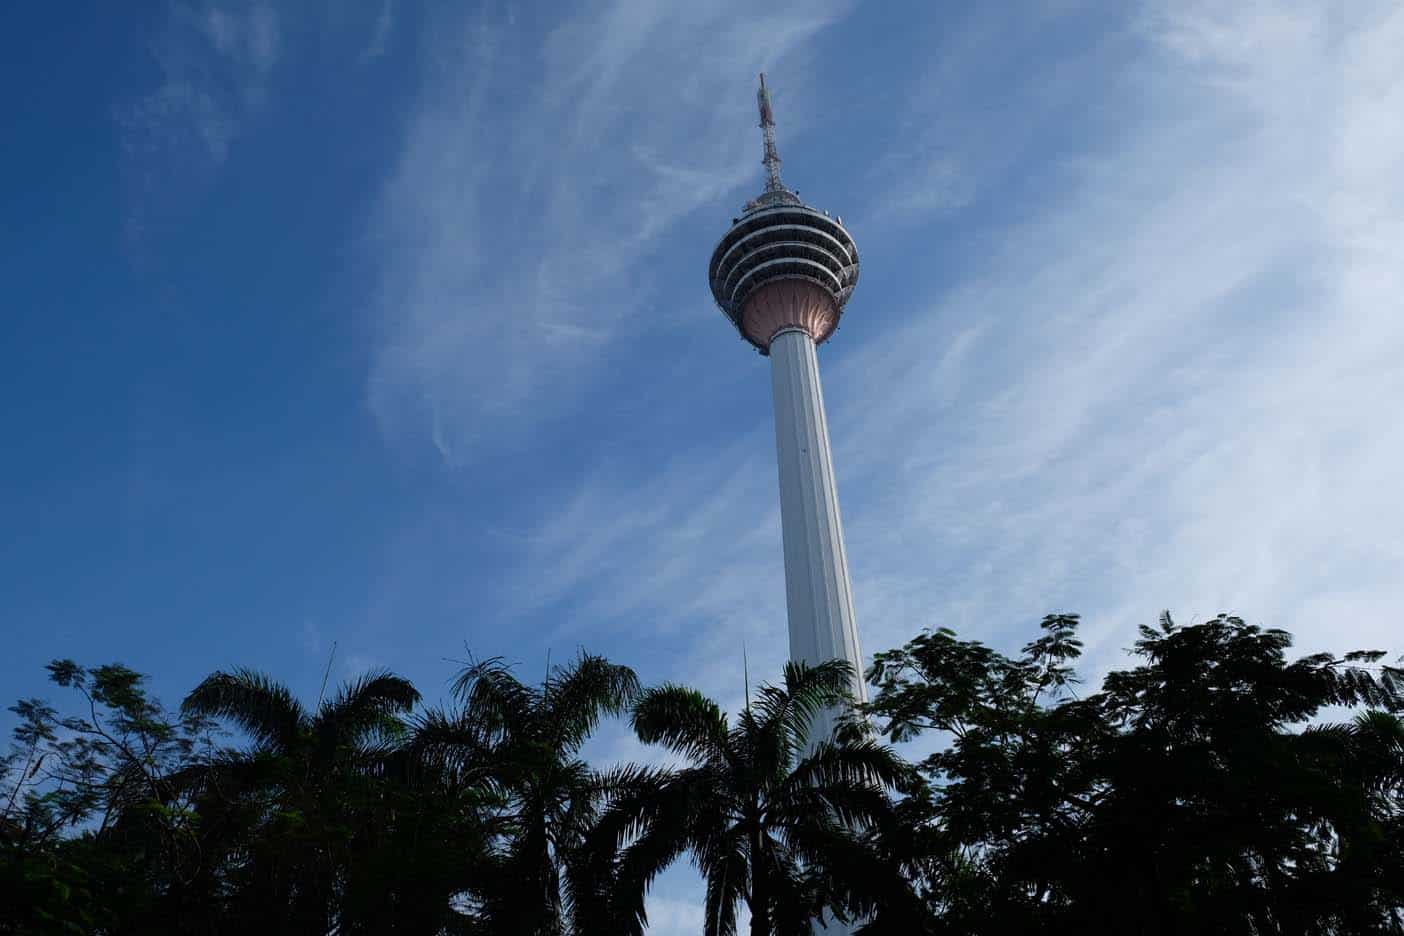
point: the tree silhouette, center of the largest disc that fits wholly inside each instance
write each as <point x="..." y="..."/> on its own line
<point x="521" y="745"/>
<point x="289" y="802"/>
<point x="1176" y="799"/>
<point x="766" y="825"/>
<point x="82" y="789"/>
<point x="1211" y="786"/>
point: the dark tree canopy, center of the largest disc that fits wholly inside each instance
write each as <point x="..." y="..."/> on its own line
<point x="1214" y="785"/>
<point x="1189" y="795"/>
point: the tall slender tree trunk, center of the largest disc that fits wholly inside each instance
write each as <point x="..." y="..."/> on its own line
<point x="760" y="892"/>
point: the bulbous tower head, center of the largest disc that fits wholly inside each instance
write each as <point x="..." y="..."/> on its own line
<point x="783" y="264"/>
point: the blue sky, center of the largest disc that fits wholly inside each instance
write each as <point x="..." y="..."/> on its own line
<point x="387" y="324"/>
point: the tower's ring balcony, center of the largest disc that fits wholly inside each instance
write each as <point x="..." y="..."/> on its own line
<point x="781" y="267"/>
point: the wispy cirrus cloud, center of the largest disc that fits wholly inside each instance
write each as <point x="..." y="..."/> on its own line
<point x="509" y="242"/>
<point x="214" y="61"/>
<point x="380" y="36"/>
<point x="247" y="35"/>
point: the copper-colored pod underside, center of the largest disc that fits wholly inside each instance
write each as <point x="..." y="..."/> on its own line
<point x="789" y="303"/>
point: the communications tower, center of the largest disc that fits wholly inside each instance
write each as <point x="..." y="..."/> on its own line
<point x="782" y="275"/>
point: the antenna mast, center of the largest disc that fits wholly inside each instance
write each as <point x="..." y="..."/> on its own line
<point x="767" y="123"/>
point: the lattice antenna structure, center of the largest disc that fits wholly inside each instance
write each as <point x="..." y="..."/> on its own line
<point x="767" y="123"/>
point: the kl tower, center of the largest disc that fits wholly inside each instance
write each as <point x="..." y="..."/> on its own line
<point x="782" y="275"/>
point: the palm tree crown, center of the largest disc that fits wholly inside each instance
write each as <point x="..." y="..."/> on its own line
<point x="522" y="743"/>
<point x="766" y="824"/>
<point x="294" y="795"/>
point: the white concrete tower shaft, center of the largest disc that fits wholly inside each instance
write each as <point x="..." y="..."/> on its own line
<point x="818" y="592"/>
<point x="782" y="275"/>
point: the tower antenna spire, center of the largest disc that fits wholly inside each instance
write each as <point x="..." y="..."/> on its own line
<point x="767" y="123"/>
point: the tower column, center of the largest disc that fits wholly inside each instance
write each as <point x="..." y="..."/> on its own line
<point x="818" y="593"/>
<point x="782" y="275"/>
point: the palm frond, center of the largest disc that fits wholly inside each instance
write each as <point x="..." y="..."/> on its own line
<point x="494" y="696"/>
<point x="266" y="709"/>
<point x="682" y="720"/>
<point x="861" y="762"/>
<point x="810" y="690"/>
<point x="856" y="806"/>
<point x="452" y="741"/>
<point x="365" y="707"/>
<point x="1382" y="727"/>
<point x="662" y="843"/>
<point x="794" y="892"/>
<point x="855" y="878"/>
<point x="575" y="697"/>
<point x="728" y="875"/>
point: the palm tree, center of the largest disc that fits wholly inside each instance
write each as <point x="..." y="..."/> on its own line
<point x="1354" y="873"/>
<point x="764" y="822"/>
<point x="287" y="805"/>
<point x="521" y="744"/>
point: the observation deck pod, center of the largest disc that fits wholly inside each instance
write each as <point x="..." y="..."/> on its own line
<point x="783" y="265"/>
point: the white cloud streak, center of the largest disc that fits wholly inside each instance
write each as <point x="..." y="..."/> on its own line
<point x="215" y="60"/>
<point x="516" y="245"/>
<point x="380" y="36"/>
<point x="248" y="37"/>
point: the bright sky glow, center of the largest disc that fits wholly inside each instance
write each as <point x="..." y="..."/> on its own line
<point x="387" y="324"/>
